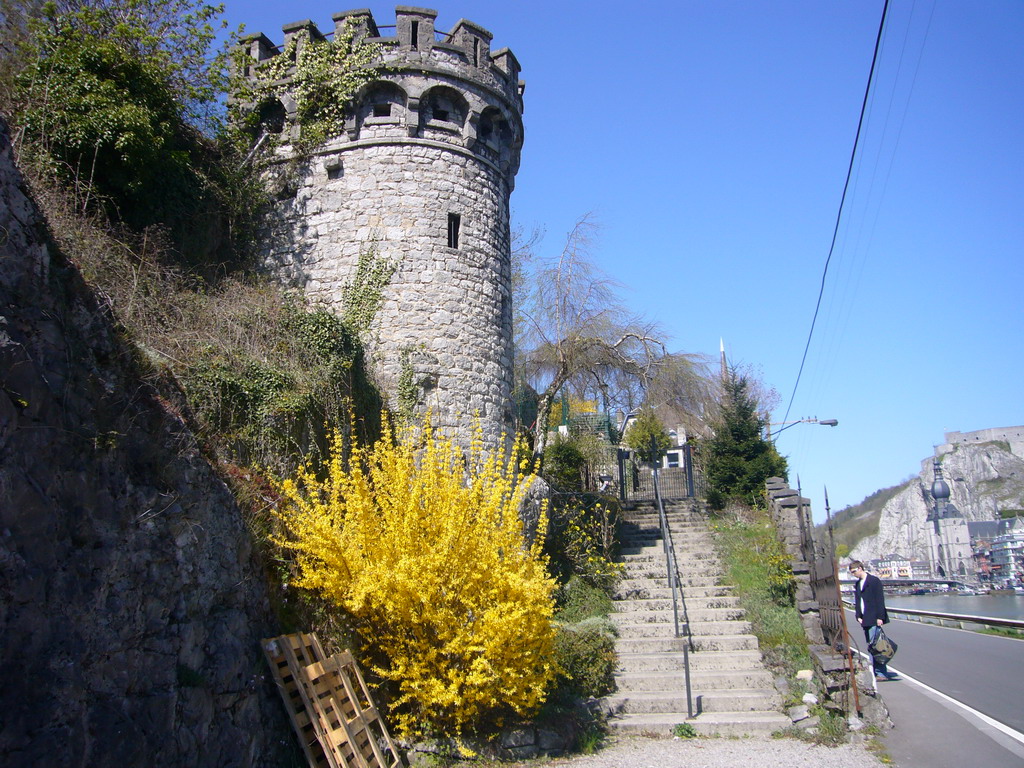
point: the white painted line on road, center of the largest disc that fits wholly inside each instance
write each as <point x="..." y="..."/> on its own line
<point x="1001" y="727"/>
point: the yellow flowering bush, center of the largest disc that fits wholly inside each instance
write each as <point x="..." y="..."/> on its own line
<point x="422" y="544"/>
<point x="584" y="539"/>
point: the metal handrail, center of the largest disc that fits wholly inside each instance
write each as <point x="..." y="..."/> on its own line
<point x="673" y="580"/>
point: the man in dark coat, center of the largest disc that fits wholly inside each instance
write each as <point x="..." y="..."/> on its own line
<point x="870" y="609"/>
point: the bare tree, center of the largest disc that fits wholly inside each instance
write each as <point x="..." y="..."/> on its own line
<point x="683" y="392"/>
<point x="577" y="332"/>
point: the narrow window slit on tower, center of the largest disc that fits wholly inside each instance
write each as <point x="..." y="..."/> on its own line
<point x="454" y="222"/>
<point x="415" y="34"/>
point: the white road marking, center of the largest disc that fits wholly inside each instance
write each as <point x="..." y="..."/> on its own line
<point x="1001" y="727"/>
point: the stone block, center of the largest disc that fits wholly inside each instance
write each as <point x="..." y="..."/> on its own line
<point x="799" y="713"/>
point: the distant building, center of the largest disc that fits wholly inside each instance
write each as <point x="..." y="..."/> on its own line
<point x="896" y="566"/>
<point x="891" y="567"/>
<point x="1007" y="562"/>
<point x="982" y="534"/>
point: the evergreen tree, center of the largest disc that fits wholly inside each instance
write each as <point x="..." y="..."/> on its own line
<point x="738" y="459"/>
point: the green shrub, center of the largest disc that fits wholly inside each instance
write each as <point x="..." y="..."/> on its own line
<point x="737" y="459"/>
<point x="115" y="101"/>
<point x="563" y="465"/>
<point x="577" y="600"/>
<point x="266" y="375"/>
<point x="585" y="652"/>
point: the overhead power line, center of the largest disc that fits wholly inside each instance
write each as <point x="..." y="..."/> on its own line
<point x="842" y="201"/>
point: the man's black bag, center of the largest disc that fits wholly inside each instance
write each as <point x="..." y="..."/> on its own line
<point x="881" y="647"/>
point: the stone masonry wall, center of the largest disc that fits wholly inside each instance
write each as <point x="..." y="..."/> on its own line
<point x="1012" y="436"/>
<point x="791" y="514"/>
<point x="130" y="604"/>
<point x="435" y="140"/>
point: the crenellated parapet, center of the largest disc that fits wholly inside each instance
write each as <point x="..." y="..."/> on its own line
<point x="436" y="86"/>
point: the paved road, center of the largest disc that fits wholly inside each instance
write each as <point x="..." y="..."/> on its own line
<point x="983" y="672"/>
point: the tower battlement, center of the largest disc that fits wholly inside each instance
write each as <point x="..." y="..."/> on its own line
<point x="450" y="81"/>
<point x="414" y="38"/>
<point x="420" y="179"/>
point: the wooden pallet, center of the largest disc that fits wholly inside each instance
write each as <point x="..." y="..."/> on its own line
<point x="330" y="707"/>
<point x="356" y="734"/>
<point x="288" y="655"/>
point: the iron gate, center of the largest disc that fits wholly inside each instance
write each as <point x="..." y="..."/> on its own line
<point x="636" y="479"/>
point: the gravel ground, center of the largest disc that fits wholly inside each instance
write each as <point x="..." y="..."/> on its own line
<point x="639" y="752"/>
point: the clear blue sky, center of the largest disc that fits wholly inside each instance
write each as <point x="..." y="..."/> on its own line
<point x="711" y="140"/>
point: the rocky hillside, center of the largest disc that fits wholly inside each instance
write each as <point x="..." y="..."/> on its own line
<point x="130" y="603"/>
<point x="985" y="479"/>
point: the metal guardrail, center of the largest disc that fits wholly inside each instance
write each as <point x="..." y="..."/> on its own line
<point x="949" y="619"/>
<point x="673" y="580"/>
<point x="955" y="619"/>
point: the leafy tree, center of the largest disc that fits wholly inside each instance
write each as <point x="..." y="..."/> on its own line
<point x="737" y="459"/>
<point x="113" y="97"/>
<point x="645" y="431"/>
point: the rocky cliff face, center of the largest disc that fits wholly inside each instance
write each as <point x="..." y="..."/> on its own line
<point x="130" y="604"/>
<point x="983" y="480"/>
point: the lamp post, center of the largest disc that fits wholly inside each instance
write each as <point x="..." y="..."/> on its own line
<point x="787" y="424"/>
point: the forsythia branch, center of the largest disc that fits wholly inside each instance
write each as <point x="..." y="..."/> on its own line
<point x="424" y="547"/>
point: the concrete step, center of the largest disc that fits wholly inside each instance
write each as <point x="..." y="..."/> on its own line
<point x="650" y="536"/>
<point x="703" y="661"/>
<point x="647" y="630"/>
<point x="692" y="614"/>
<point x="692" y="602"/>
<point x="647" y="555"/>
<point x="731" y="690"/>
<point x="728" y="724"/>
<point x="738" y="642"/>
<point x="701" y="681"/>
<point x="647" y="702"/>
<point x="644" y="702"/>
<point x="705" y="576"/>
<point x="739" y="700"/>
<point x="656" y="582"/>
<point x="703" y="643"/>
<point x="698" y="630"/>
<point x="630" y="645"/>
<point x="649" y="591"/>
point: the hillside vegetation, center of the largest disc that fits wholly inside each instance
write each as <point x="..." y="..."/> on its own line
<point x="858" y="521"/>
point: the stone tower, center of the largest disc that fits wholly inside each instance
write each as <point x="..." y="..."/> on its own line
<point x="419" y="184"/>
<point x="950" y="540"/>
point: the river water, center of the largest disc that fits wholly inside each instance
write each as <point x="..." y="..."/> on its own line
<point x="999" y="605"/>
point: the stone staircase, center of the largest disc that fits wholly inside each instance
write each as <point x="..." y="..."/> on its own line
<point x="732" y="693"/>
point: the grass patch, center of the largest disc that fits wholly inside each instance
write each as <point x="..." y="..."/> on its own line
<point x="760" y="572"/>
<point x="1003" y="632"/>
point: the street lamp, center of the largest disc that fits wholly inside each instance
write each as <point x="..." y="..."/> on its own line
<point x="787" y="424"/>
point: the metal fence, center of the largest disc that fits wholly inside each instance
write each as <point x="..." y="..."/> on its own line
<point x="636" y="478"/>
